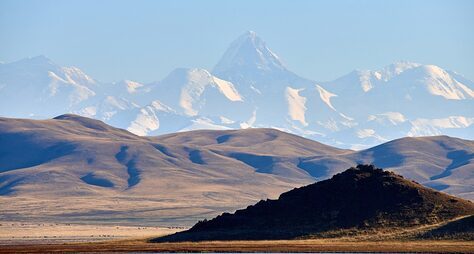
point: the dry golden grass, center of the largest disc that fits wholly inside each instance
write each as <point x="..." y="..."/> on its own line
<point x="74" y="238"/>
<point x="141" y="245"/>
<point x="19" y="233"/>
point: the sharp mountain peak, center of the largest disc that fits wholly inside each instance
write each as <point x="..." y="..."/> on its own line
<point x="249" y="52"/>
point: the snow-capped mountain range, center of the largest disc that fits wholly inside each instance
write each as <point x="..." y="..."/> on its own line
<point x="251" y="87"/>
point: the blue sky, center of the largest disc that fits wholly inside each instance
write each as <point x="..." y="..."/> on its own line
<point x="321" y="40"/>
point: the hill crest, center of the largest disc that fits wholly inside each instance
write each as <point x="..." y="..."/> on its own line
<point x="359" y="198"/>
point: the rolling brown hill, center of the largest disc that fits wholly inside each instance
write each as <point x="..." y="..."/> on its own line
<point x="75" y="169"/>
<point x="363" y="198"/>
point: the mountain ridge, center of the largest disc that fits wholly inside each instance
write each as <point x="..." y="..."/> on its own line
<point x="73" y="159"/>
<point x="251" y="87"/>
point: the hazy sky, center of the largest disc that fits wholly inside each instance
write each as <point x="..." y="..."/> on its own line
<point x="321" y="40"/>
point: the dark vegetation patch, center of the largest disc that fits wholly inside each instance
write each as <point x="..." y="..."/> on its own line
<point x="132" y="171"/>
<point x="437" y="186"/>
<point x="92" y="179"/>
<point x="388" y="157"/>
<point x="7" y="185"/>
<point x="458" y="159"/>
<point x="195" y="157"/>
<point x="261" y="163"/>
<point x="314" y="169"/>
<point x="163" y="150"/>
<point x="223" y="139"/>
<point x="30" y="152"/>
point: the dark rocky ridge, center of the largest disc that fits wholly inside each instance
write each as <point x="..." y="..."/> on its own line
<point x="359" y="198"/>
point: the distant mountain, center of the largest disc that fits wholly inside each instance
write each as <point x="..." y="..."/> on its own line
<point x="191" y="96"/>
<point x="362" y="199"/>
<point x="251" y="87"/>
<point x="279" y="97"/>
<point x="405" y="99"/>
<point x="254" y="68"/>
<point x="95" y="171"/>
<point x="38" y="87"/>
<point x="247" y="54"/>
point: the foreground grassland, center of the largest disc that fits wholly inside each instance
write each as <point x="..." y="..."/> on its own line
<point x="20" y="233"/>
<point x="142" y="245"/>
<point x="66" y="238"/>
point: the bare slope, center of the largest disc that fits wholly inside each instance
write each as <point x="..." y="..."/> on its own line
<point x="78" y="169"/>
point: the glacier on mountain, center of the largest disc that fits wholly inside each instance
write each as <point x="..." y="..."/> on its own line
<point x="251" y="87"/>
